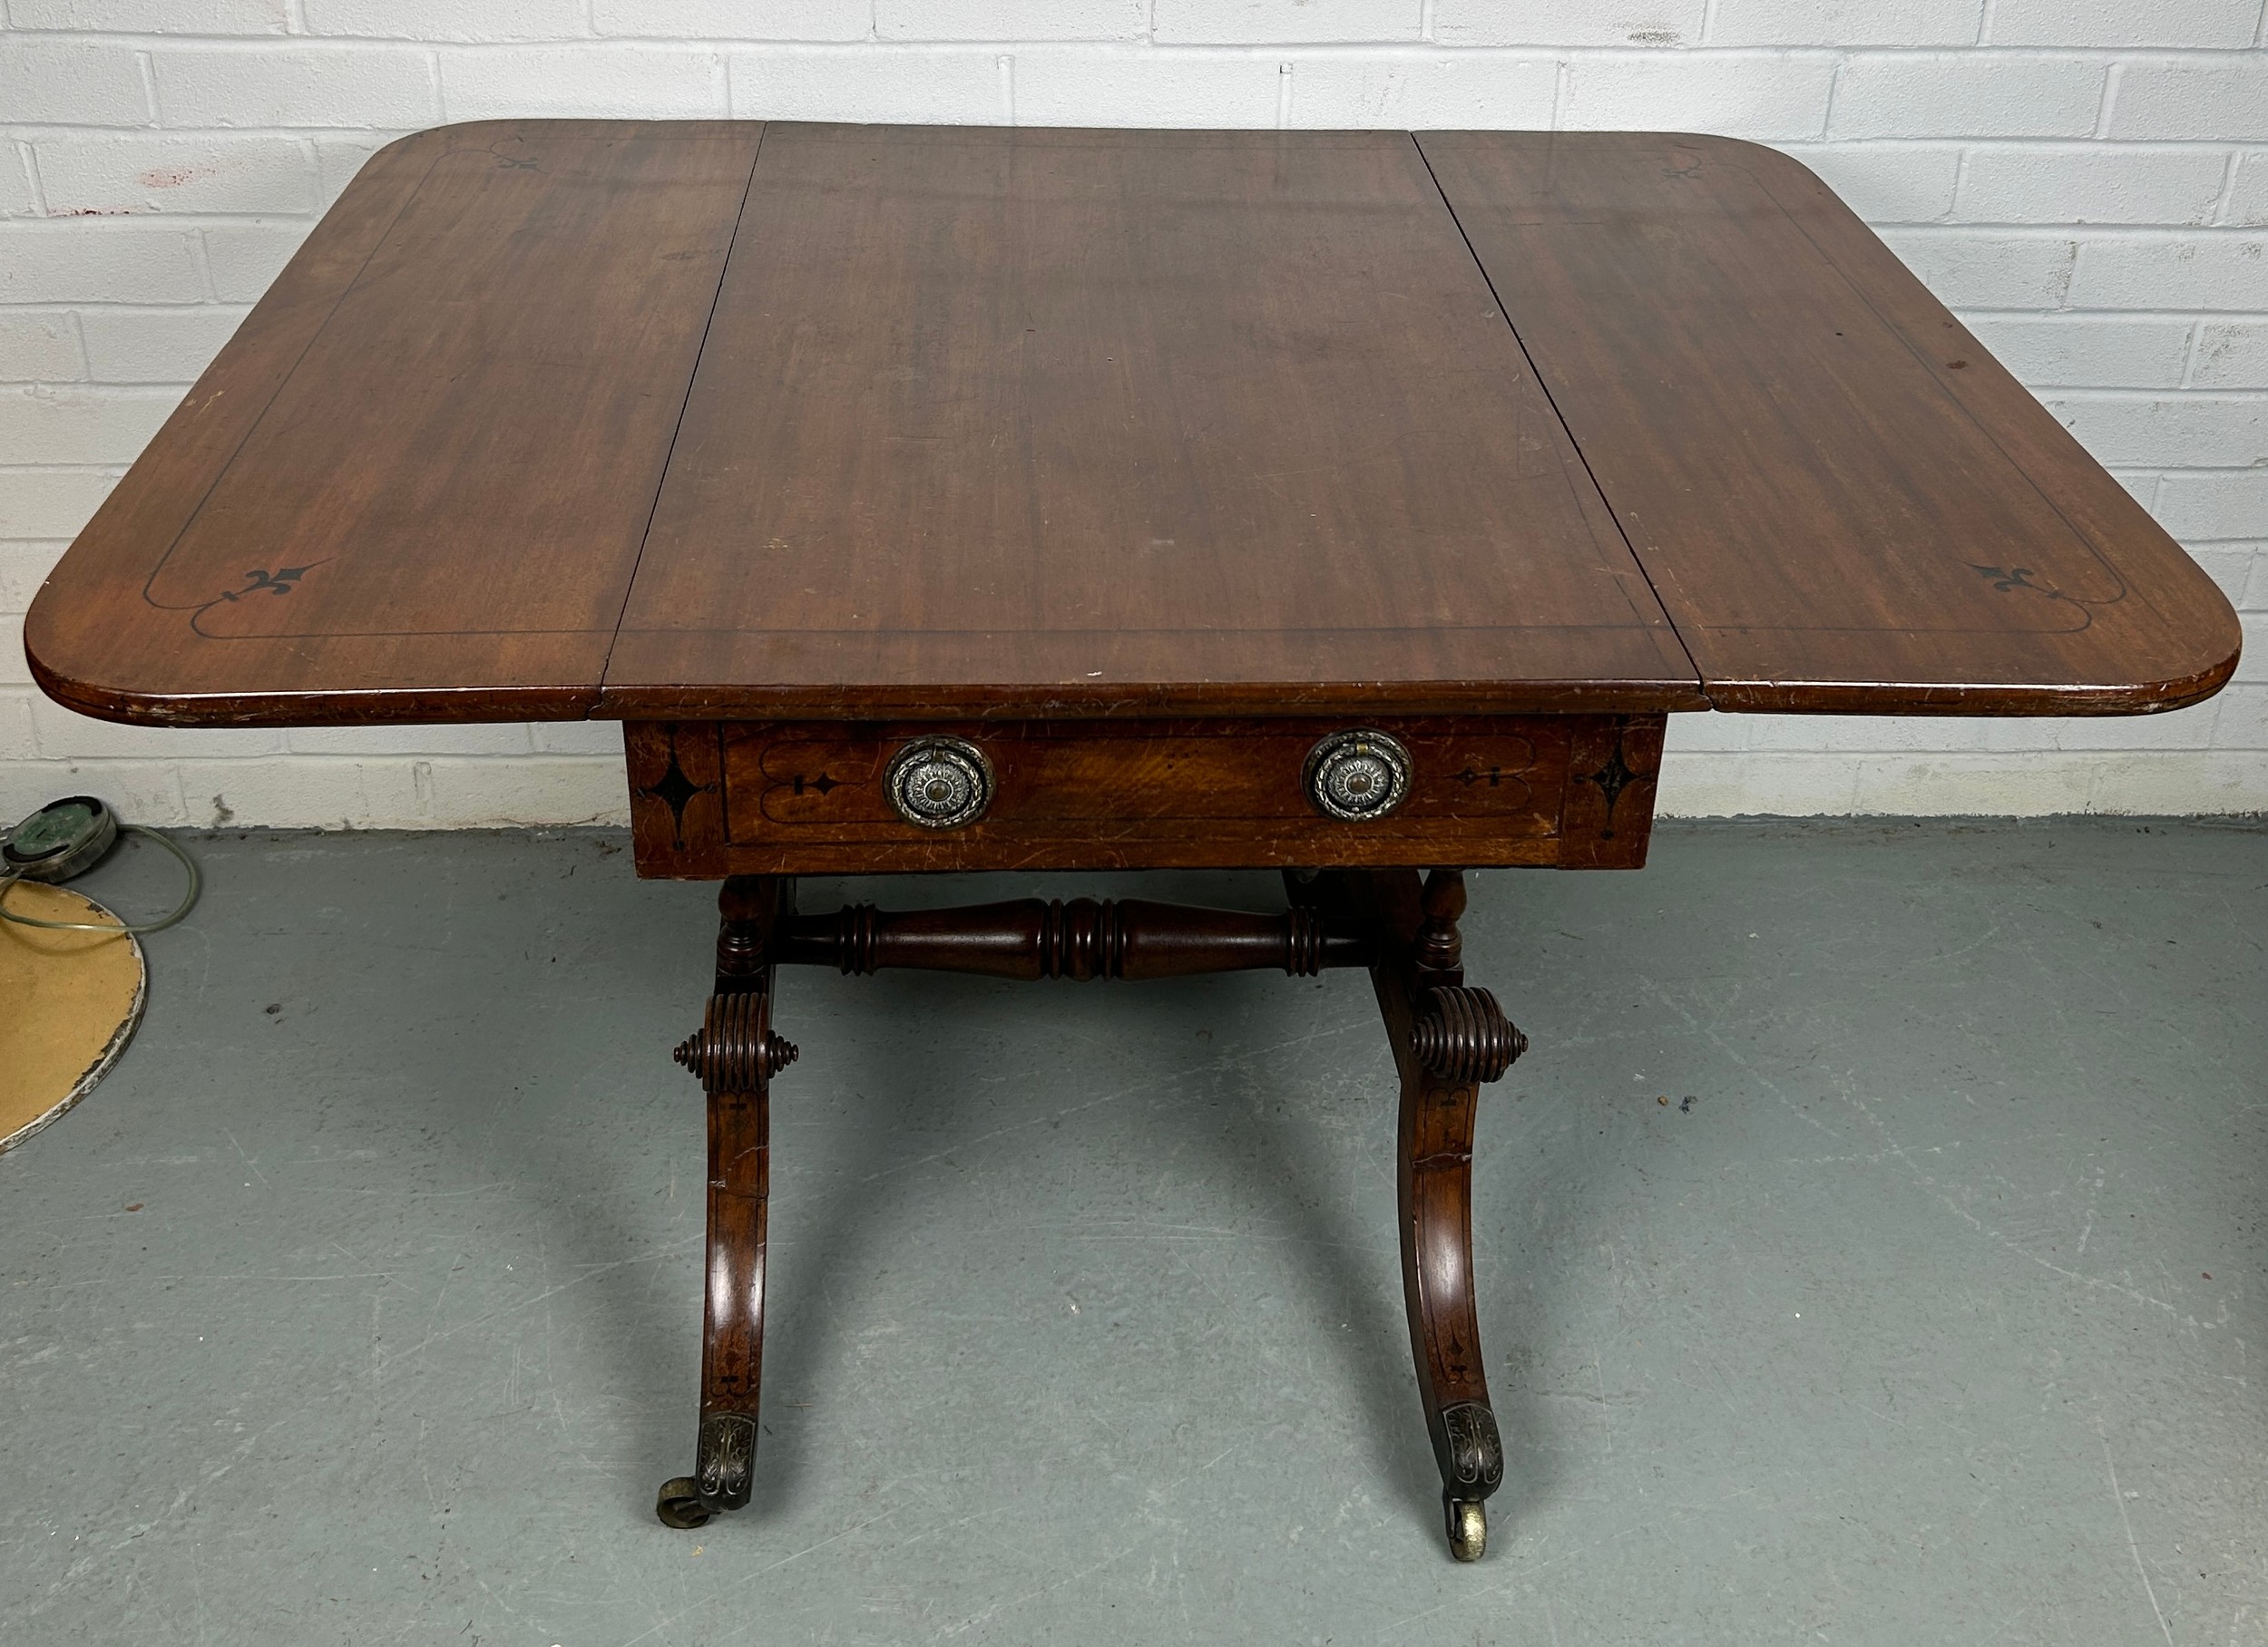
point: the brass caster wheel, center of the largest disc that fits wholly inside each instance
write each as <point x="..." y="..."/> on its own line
<point x="1468" y="1527"/>
<point x="680" y="1505"/>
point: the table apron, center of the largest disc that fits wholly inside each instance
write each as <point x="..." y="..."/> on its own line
<point x="714" y="798"/>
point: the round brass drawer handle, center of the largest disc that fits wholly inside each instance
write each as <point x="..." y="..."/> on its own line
<point x="939" y="782"/>
<point x="1357" y="775"/>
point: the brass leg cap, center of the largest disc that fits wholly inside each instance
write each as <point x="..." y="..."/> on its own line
<point x="680" y="1505"/>
<point x="1468" y="1527"/>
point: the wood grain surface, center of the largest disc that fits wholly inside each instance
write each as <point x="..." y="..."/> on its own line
<point x="415" y="484"/>
<point x="1844" y="502"/>
<point x="1090" y="422"/>
<point x="676" y="420"/>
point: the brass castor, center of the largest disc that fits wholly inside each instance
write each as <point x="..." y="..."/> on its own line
<point x="680" y="1505"/>
<point x="1468" y="1527"/>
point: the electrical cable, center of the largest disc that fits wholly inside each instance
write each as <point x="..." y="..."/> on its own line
<point x="8" y="877"/>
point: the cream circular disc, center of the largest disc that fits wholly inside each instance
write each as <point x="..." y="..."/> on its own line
<point x="72" y="1001"/>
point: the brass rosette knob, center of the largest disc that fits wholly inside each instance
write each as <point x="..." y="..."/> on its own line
<point x="1357" y="775"/>
<point x="939" y="782"/>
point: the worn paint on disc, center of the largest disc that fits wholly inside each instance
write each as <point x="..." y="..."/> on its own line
<point x="73" y="1000"/>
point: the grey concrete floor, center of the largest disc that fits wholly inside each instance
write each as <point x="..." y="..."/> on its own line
<point x="1922" y="1311"/>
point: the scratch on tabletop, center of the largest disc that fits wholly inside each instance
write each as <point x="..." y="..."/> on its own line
<point x="2133" y="1548"/>
<point x="1398" y="1630"/>
<point x="661" y="1625"/>
<point x="592" y="1272"/>
<point x="248" y="1166"/>
<point x="1164" y="1080"/>
<point x="1904" y="1156"/>
<point x="983" y="1614"/>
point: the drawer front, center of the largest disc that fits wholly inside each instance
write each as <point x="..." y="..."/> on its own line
<point x="713" y="798"/>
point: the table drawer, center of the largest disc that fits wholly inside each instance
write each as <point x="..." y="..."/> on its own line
<point x="806" y="797"/>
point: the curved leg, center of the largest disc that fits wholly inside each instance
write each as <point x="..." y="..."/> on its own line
<point x="1433" y="1173"/>
<point x="1447" y="1040"/>
<point x="735" y="1053"/>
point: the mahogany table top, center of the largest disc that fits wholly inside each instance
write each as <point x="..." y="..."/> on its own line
<point x="553" y="419"/>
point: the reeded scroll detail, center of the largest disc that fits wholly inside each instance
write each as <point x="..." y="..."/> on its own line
<point x="1463" y="1036"/>
<point x="736" y="1048"/>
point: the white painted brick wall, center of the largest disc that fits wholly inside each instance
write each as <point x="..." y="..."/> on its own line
<point x="2086" y="180"/>
<point x="1567" y="23"/>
